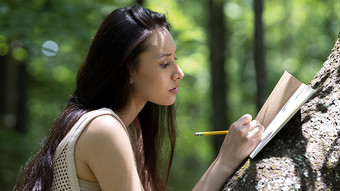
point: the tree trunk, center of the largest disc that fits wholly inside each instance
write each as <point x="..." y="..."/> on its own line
<point x="217" y="59"/>
<point x="21" y="111"/>
<point x="13" y="99"/>
<point x="2" y="87"/>
<point x="9" y="103"/>
<point x="140" y="2"/>
<point x="304" y="155"/>
<point x="259" y="60"/>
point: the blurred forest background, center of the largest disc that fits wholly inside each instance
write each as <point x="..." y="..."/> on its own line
<point x="232" y="53"/>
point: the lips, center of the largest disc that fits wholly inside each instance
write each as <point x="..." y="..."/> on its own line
<point x="175" y="89"/>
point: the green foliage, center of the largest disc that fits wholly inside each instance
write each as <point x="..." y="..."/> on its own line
<point x="15" y="149"/>
<point x="298" y="37"/>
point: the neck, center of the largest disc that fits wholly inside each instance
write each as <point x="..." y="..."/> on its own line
<point x="129" y="114"/>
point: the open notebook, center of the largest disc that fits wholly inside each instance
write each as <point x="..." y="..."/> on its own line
<point x="284" y="101"/>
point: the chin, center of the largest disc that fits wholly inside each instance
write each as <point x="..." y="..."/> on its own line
<point x="172" y="102"/>
<point x="166" y="103"/>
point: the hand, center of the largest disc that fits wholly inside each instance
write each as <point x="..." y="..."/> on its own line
<point x="244" y="135"/>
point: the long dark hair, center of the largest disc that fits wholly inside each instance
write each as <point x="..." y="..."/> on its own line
<point x="103" y="81"/>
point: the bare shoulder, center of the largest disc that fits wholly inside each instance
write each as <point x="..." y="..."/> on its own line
<point x="104" y="132"/>
<point x="103" y="154"/>
<point x="105" y="124"/>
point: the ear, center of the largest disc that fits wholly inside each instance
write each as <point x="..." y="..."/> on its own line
<point x="132" y="73"/>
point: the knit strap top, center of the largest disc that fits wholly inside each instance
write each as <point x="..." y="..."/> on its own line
<point x="64" y="170"/>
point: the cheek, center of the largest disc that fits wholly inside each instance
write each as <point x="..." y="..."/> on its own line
<point x="163" y="77"/>
<point x="156" y="78"/>
<point x="153" y="80"/>
<point x="162" y="81"/>
<point x="144" y="82"/>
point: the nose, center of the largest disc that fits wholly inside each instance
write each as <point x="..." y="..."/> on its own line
<point x="178" y="73"/>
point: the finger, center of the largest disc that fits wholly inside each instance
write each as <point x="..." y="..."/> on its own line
<point x="256" y="131"/>
<point x="245" y="119"/>
<point x="253" y="124"/>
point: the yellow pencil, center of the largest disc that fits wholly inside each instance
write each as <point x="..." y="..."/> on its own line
<point x="211" y="133"/>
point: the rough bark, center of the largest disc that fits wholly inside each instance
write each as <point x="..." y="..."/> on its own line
<point x="304" y="155"/>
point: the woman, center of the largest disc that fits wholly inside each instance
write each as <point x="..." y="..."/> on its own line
<point x="129" y="79"/>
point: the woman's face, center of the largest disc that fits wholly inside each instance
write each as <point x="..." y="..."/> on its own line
<point x="157" y="78"/>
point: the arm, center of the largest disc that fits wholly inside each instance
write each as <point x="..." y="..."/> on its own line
<point x="243" y="137"/>
<point x="104" y="155"/>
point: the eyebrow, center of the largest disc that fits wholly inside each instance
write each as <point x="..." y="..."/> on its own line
<point x="167" y="54"/>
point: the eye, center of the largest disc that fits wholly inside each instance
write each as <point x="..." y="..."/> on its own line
<point x="165" y="65"/>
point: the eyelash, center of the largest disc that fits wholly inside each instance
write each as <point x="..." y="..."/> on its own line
<point x="167" y="64"/>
